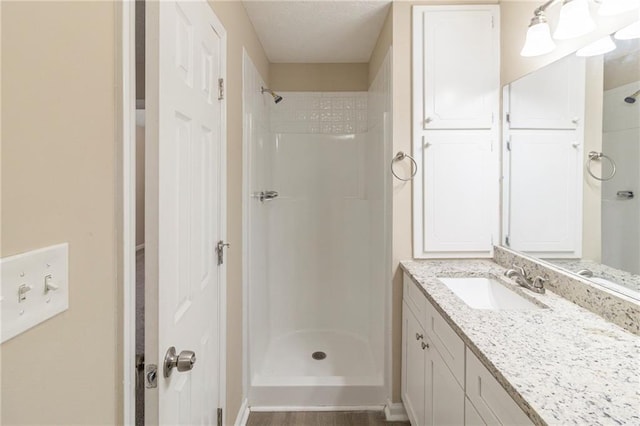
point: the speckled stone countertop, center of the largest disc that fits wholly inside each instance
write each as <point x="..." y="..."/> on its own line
<point x="563" y="365"/>
<point x="622" y="278"/>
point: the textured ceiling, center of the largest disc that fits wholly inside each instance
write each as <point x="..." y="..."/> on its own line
<point x="318" y="31"/>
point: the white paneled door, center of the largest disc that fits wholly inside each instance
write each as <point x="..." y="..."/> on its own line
<point x="185" y="205"/>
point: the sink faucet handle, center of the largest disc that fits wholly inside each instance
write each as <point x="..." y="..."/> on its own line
<point x="520" y="269"/>
<point x="539" y="282"/>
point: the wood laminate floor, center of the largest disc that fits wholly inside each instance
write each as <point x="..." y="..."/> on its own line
<point x="321" y="418"/>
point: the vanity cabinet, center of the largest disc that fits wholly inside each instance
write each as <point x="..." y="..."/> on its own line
<point x="430" y="391"/>
<point x="456" y="82"/>
<point x="443" y="382"/>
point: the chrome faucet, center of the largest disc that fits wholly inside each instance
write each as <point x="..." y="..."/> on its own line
<point x="519" y="275"/>
<point x="587" y="273"/>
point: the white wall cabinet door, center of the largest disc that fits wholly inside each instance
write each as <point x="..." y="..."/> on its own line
<point x="550" y="98"/>
<point x="458" y="196"/>
<point x="456" y="84"/>
<point x="544" y="193"/>
<point x="456" y="64"/>
<point x="413" y="367"/>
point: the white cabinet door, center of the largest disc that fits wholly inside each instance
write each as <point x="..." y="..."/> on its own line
<point x="544" y="193"/>
<point x="444" y="397"/>
<point x="456" y="212"/>
<point x="471" y="415"/>
<point x="550" y="98"/>
<point x="413" y="367"/>
<point x="456" y="83"/>
<point x="456" y="66"/>
<point x="491" y="401"/>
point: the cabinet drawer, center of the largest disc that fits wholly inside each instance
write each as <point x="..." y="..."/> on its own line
<point x="414" y="298"/>
<point x="491" y="401"/>
<point x="447" y="342"/>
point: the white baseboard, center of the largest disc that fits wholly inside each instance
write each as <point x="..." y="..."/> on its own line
<point x="395" y="412"/>
<point x="319" y="408"/>
<point x="243" y="413"/>
<point x="140" y="247"/>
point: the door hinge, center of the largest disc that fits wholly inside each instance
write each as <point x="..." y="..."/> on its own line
<point x="219" y="416"/>
<point x="507" y="241"/>
<point x="220" y="251"/>
<point x="492" y="22"/>
<point x="220" y="89"/>
<point x="139" y="370"/>
<point x="509" y="143"/>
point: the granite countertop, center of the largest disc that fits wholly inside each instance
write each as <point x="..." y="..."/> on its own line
<point x="600" y="270"/>
<point x="562" y="365"/>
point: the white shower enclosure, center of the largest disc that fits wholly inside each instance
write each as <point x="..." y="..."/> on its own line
<point x="317" y="259"/>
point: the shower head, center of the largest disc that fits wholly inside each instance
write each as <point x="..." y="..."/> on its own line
<point x="632" y="99"/>
<point x="276" y="98"/>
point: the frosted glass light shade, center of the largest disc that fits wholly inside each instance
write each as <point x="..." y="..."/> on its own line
<point x="538" y="41"/>
<point x="575" y="20"/>
<point x="598" y="47"/>
<point x="629" y="32"/>
<point x="614" y="7"/>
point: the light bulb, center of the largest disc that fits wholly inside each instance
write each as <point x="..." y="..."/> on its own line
<point x="575" y="20"/>
<point x="538" y="40"/>
<point x="598" y="47"/>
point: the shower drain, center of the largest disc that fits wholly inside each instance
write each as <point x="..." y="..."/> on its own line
<point x="318" y="355"/>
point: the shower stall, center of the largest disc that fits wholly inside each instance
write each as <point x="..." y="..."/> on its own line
<point x="317" y="268"/>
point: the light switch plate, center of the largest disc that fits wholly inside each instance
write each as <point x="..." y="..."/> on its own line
<point x="24" y="299"/>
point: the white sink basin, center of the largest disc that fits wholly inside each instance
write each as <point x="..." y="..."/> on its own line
<point x="487" y="293"/>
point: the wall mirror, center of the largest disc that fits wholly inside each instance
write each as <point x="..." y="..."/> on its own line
<point x="571" y="166"/>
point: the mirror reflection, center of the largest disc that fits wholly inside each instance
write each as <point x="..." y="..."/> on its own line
<point x="571" y="166"/>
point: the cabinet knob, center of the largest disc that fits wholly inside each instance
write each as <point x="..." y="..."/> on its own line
<point x="419" y="336"/>
<point x="425" y="346"/>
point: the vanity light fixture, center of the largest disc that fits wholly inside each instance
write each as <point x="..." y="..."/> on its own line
<point x="598" y="47"/>
<point x="575" y="20"/>
<point x="615" y="7"/>
<point x="538" y="41"/>
<point x="629" y="32"/>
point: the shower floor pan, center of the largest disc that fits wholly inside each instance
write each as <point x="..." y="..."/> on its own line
<point x="292" y="376"/>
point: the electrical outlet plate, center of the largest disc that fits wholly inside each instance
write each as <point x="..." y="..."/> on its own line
<point x="29" y="271"/>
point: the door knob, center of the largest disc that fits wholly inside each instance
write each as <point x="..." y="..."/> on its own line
<point x="183" y="361"/>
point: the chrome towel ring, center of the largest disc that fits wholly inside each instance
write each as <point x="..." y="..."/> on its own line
<point x="593" y="155"/>
<point x="414" y="166"/>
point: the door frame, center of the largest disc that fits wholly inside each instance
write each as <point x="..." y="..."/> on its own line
<point x="126" y="214"/>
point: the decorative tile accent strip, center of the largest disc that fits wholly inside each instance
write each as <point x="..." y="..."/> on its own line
<point x="611" y="306"/>
<point x="335" y="113"/>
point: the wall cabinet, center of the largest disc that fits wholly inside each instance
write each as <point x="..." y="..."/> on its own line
<point x="544" y="125"/>
<point x="443" y="382"/>
<point x="456" y="60"/>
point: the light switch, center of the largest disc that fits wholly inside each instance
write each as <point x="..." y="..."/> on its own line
<point x="34" y="288"/>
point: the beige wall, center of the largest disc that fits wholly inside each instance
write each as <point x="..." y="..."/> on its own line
<point x="592" y="191"/>
<point x="515" y="18"/>
<point x="382" y="46"/>
<point x="352" y="77"/>
<point x="58" y="184"/>
<point x="240" y="33"/>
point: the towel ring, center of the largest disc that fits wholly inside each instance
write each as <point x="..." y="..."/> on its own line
<point x="593" y="155"/>
<point x="414" y="166"/>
